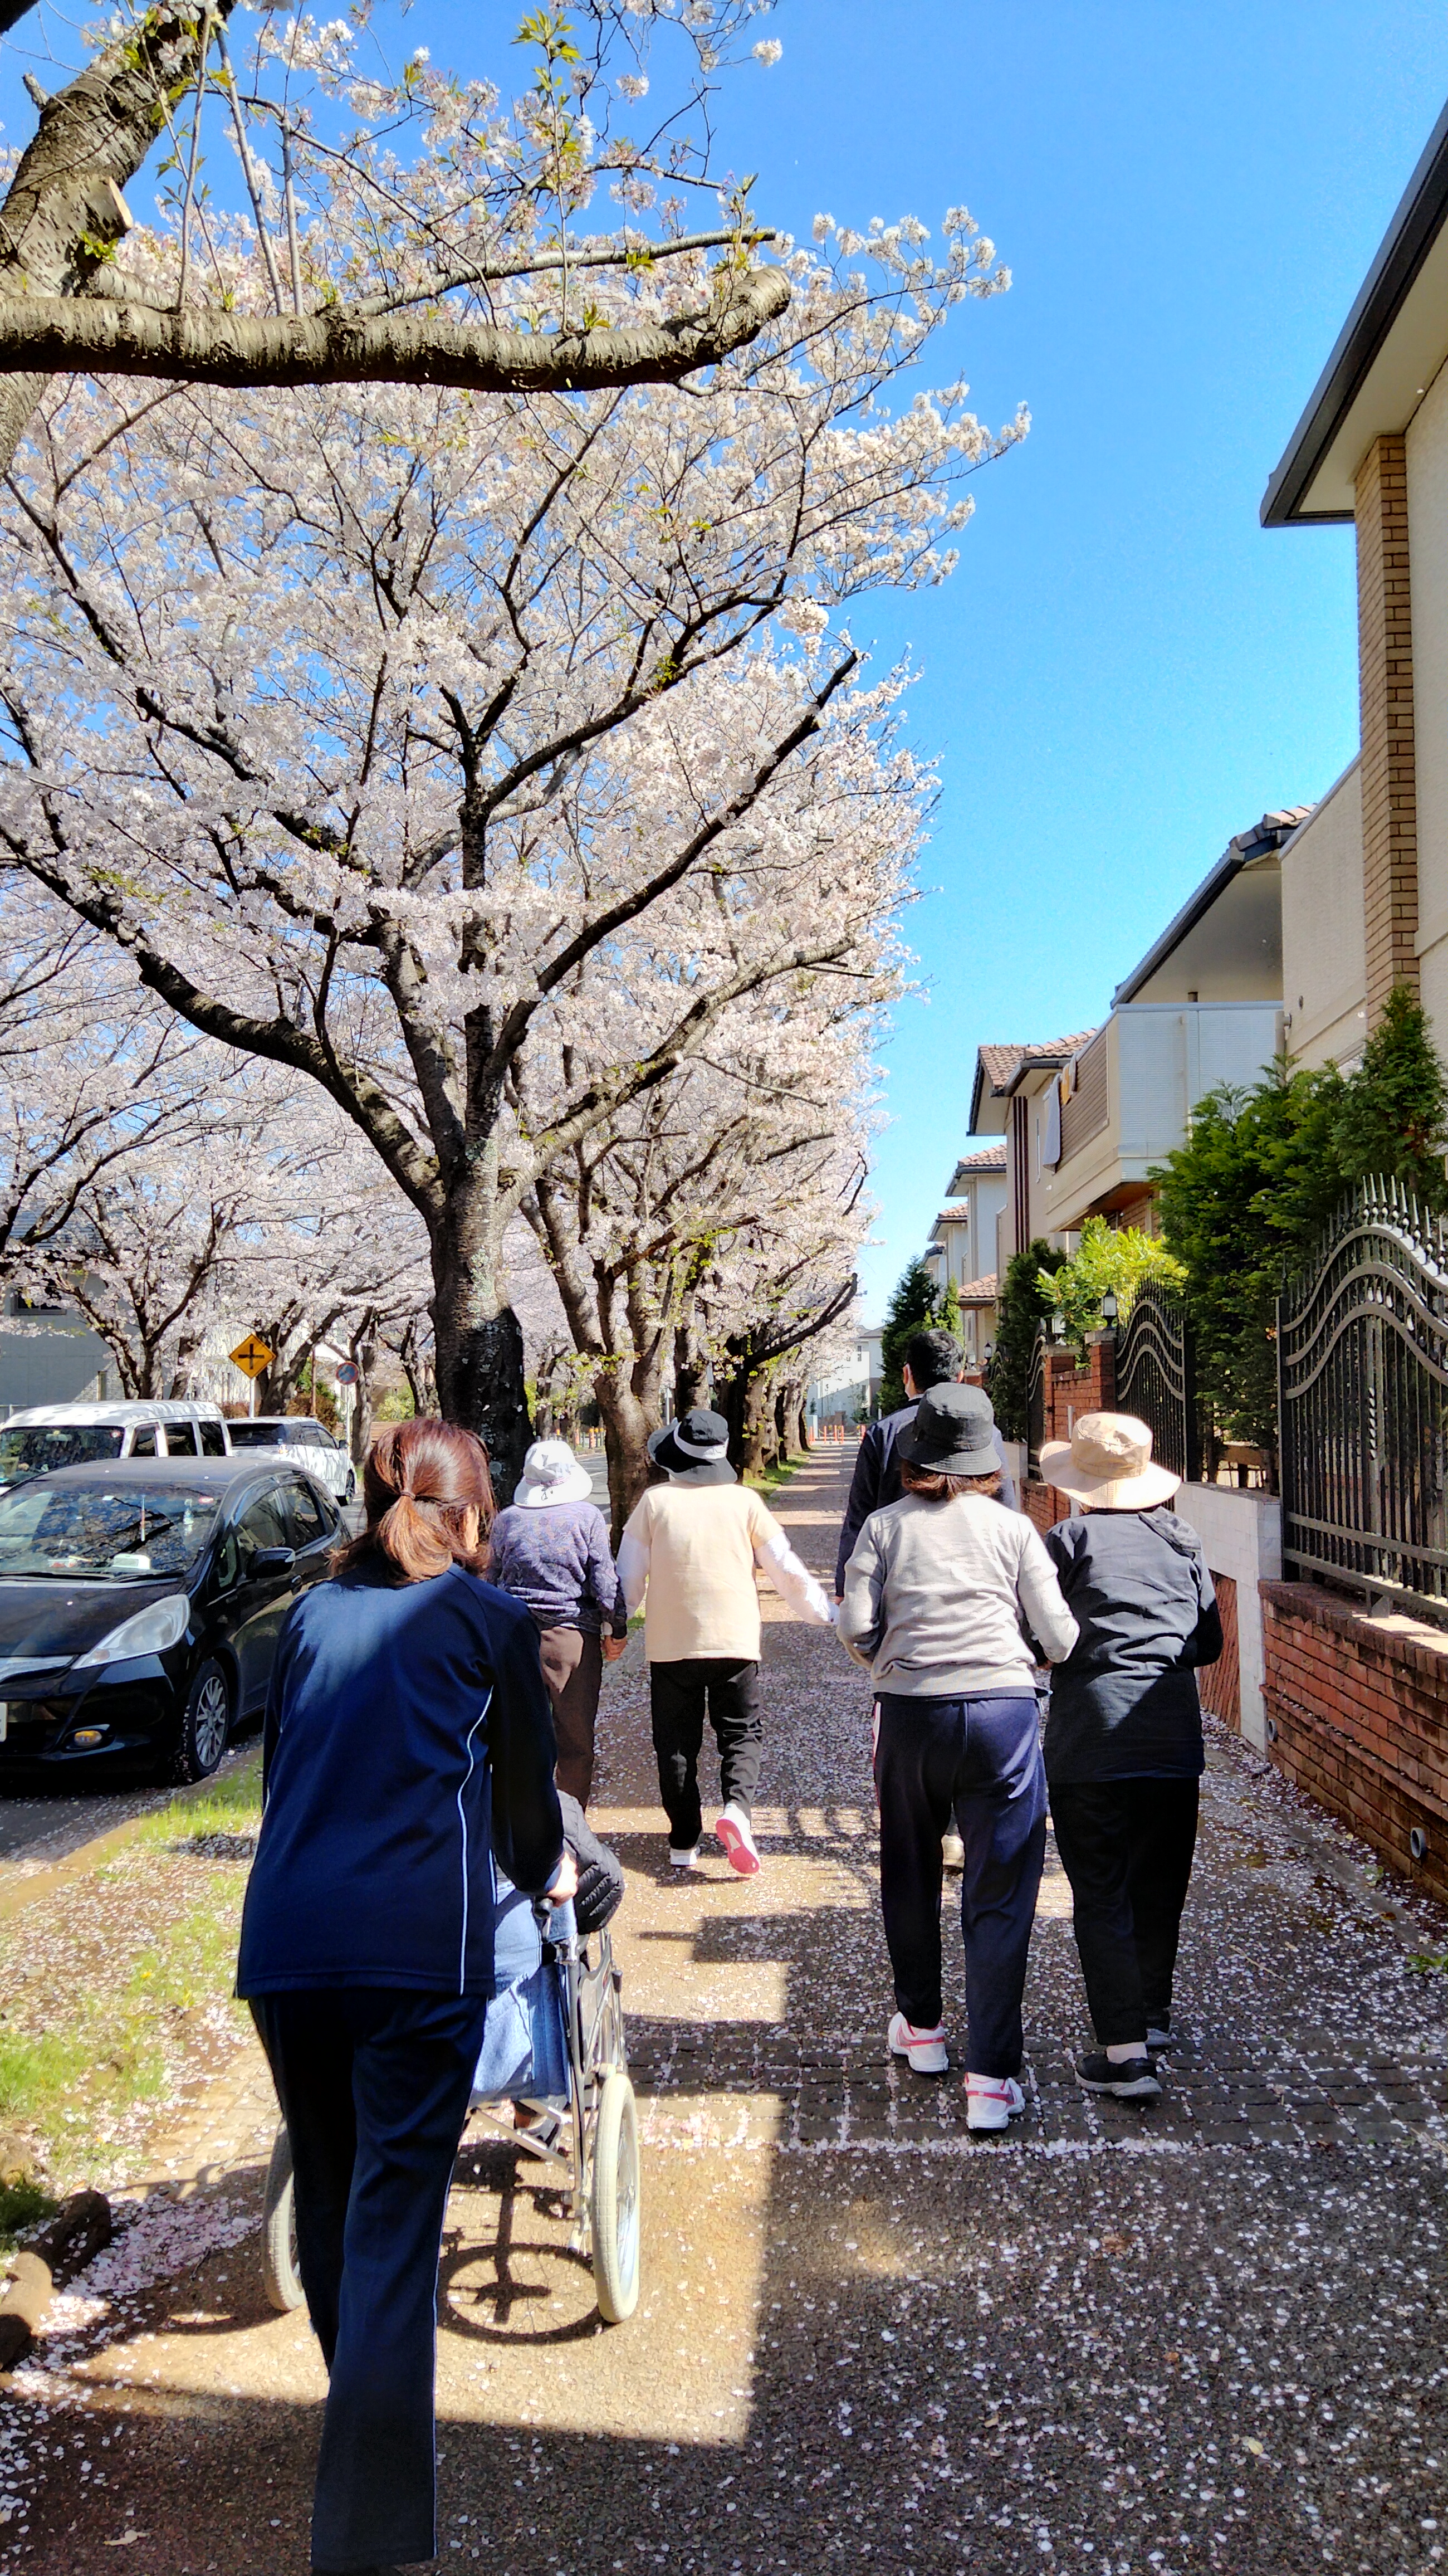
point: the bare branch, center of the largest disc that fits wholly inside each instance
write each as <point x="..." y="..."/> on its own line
<point x="43" y="334"/>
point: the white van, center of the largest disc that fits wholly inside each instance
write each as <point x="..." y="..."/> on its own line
<point x="73" y="1435"/>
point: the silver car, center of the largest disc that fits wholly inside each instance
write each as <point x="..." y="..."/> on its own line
<point x="308" y="1444"/>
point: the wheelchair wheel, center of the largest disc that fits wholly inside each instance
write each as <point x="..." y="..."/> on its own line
<point x="280" y="2274"/>
<point x="613" y="2201"/>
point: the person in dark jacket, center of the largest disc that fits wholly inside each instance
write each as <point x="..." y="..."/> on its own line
<point x="932" y="1358"/>
<point x="408" y="1735"/>
<point x="1124" y="1753"/>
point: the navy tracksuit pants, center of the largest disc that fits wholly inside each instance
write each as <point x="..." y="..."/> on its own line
<point x="373" y="2083"/>
<point x="976" y="1762"/>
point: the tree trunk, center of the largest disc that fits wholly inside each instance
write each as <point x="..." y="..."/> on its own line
<point x="477" y="1336"/>
<point x="183" y="1367"/>
<point x="789" y="1415"/>
<point x="758" y="1440"/>
<point x="628" y="1418"/>
<point x="691" y="1373"/>
<point x="362" y="1350"/>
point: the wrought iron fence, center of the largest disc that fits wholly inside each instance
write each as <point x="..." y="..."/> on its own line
<point x="1156" y="1379"/>
<point x="1362" y="1376"/>
<point x="1036" y="1404"/>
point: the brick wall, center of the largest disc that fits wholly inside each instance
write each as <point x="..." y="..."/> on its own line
<point x="1357" y="1715"/>
<point x="1071" y="1390"/>
<point x="1220" y="1683"/>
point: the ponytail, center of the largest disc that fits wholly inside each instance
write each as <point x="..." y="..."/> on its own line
<point x="420" y="1481"/>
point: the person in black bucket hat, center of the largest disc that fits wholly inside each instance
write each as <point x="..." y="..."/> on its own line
<point x="935" y="1595"/>
<point x="953" y="1433"/>
<point x="689" y="1551"/>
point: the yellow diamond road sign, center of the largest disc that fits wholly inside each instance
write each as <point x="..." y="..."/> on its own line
<point x="253" y="1355"/>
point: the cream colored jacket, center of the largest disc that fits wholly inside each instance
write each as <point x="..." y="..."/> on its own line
<point x="689" y="1554"/>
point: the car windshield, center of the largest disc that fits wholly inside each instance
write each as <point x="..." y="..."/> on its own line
<point x="34" y="1446"/>
<point x="120" y="1531"/>
<point x="257" y="1435"/>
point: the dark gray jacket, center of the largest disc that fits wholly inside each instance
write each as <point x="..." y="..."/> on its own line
<point x="1124" y="1704"/>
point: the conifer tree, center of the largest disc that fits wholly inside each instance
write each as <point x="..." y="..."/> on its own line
<point x="911" y="1307"/>
<point x="1393" y="1121"/>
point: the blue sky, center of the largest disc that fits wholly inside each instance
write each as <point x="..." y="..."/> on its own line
<point x="1125" y="670"/>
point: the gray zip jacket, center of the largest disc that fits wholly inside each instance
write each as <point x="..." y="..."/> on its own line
<point x="935" y="1594"/>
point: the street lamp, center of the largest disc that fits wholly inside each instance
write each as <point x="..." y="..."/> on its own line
<point x="1110" y="1308"/>
<point x="1058" y="1326"/>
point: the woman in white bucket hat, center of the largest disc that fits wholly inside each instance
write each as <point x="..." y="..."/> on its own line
<point x="1124" y="1751"/>
<point x="550" y="1548"/>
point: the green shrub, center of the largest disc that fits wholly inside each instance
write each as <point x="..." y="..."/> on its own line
<point x="1023" y="1301"/>
<point x="1119" y="1258"/>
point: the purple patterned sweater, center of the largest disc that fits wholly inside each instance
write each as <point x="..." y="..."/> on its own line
<point x="558" y="1560"/>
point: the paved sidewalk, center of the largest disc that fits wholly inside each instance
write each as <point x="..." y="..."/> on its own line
<point x="1206" y="2335"/>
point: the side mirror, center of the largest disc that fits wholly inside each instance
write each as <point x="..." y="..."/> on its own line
<point x="272" y="1560"/>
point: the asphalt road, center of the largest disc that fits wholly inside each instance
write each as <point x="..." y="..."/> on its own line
<point x="1206" y="2336"/>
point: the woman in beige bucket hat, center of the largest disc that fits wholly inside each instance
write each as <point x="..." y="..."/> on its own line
<point x="1124" y="1751"/>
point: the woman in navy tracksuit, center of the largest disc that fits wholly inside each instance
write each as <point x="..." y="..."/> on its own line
<point x="408" y="1734"/>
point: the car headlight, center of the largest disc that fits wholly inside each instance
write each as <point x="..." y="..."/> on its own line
<point x="149" y="1633"/>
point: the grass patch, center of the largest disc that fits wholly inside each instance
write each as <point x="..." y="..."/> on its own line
<point x="22" y="2205"/>
<point x="775" y="1475"/>
<point x="122" y="1980"/>
<point x="228" y="1806"/>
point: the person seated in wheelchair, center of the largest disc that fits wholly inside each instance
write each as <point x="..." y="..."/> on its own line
<point x="522" y="2057"/>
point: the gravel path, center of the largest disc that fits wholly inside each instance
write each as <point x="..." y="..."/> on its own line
<point x="1208" y="2335"/>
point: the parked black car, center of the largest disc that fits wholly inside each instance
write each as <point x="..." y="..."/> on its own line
<point x="140" y="1604"/>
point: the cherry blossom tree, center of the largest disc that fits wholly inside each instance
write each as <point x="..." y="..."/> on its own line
<point x="169" y="1190"/>
<point x="91" y="1074"/>
<point x="416" y="230"/>
<point x="671" y="1233"/>
<point x="424" y="736"/>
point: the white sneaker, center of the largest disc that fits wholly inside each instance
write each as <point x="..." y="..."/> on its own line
<point x="952" y="1851"/>
<point x="735" y="1837"/>
<point x="991" y="2101"/>
<point x="925" y="2048"/>
<point x="684" y="1859"/>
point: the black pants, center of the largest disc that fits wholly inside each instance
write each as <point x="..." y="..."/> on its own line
<point x="677" y="1694"/>
<point x="373" y="2084"/>
<point x="1126" y="1847"/>
<point x="976" y="1762"/>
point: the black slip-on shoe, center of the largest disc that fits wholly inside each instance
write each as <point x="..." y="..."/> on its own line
<point x="1130" y="2079"/>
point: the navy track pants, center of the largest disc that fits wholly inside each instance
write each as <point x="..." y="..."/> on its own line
<point x="373" y="2083"/>
<point x="976" y="1762"/>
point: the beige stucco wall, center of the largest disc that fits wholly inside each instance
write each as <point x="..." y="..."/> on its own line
<point x="1427" y="450"/>
<point x="1324" y="962"/>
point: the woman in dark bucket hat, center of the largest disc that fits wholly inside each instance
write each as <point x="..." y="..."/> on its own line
<point x="935" y="1593"/>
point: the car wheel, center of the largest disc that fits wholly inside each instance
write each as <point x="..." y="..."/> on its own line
<point x="206" y="1724"/>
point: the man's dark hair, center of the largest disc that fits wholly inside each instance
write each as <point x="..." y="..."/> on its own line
<point x="933" y="1358"/>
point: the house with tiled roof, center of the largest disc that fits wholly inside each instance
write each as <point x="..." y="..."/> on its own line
<point x="962" y="1245"/>
<point x="1084" y="1118"/>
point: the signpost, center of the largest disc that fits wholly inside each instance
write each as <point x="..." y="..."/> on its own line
<point x="252" y="1356"/>
<point x="348" y="1374"/>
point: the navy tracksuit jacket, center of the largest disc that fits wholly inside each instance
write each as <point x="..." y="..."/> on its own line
<point x="408" y="1733"/>
<point x="399" y="1715"/>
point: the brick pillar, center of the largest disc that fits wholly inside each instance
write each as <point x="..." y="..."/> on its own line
<point x="1389" y="779"/>
<point x="1100" y="1395"/>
